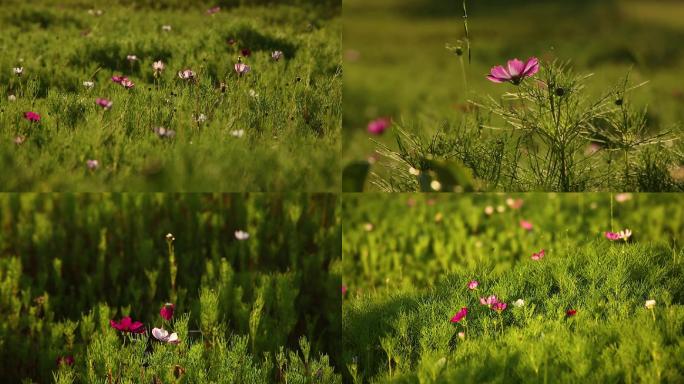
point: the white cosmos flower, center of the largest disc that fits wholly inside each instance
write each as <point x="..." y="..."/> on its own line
<point x="11" y="98"/>
<point x="241" y="235"/>
<point x="436" y="185"/>
<point x="18" y="71"/>
<point x="132" y="58"/>
<point x="650" y="304"/>
<point x="237" y="133"/>
<point x="519" y="303"/>
<point x="164" y="336"/>
<point x="166" y="28"/>
<point x="88" y="84"/>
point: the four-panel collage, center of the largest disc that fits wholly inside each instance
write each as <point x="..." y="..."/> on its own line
<point x="341" y="191"/>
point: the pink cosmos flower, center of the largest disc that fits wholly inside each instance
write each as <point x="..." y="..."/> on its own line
<point x="473" y="284"/>
<point x="92" y="164"/>
<point x="489" y="301"/>
<point x="164" y="336"/>
<point x="213" y="10"/>
<point x="127" y="325"/>
<point x="499" y="306"/>
<point x="516" y="71"/>
<point x="117" y="79"/>
<point x="158" y="66"/>
<point x="166" y="311"/>
<point x="128" y="84"/>
<point x="526" y="225"/>
<point x="539" y="255"/>
<point x="31" y="116"/>
<point x="379" y="126"/>
<point x="622" y="235"/>
<point x="164" y="133"/>
<point x="460" y="315"/>
<point x="242" y="68"/>
<point x="514" y="203"/>
<point x="66" y="360"/>
<point x="104" y="103"/>
<point x="571" y="312"/>
<point x="186" y="74"/>
<point x="344" y="289"/>
<point x="276" y="55"/>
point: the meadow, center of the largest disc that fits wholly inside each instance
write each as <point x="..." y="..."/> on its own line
<point x="533" y="288"/>
<point x="602" y="113"/>
<point x="164" y="288"/>
<point x="171" y="96"/>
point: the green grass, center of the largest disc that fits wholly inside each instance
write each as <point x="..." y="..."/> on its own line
<point x="290" y="110"/>
<point x="246" y="311"/>
<point x="407" y="275"/>
<point x="397" y="65"/>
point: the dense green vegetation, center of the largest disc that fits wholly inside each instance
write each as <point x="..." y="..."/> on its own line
<point x="261" y="309"/>
<point x="273" y="128"/>
<point x="447" y="120"/>
<point x="408" y="261"/>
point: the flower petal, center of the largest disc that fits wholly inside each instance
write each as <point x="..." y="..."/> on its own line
<point x="173" y="338"/>
<point x="500" y="73"/>
<point x="531" y="67"/>
<point x="160" y="334"/>
<point x="495" y="79"/>
<point x="515" y="67"/>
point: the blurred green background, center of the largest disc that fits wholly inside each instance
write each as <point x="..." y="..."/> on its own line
<point x="397" y="64"/>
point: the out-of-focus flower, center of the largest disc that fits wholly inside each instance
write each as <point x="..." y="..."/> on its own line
<point x="186" y="74"/>
<point x="539" y="255"/>
<point x="92" y="164"/>
<point x="241" y="68"/>
<point x="158" y="66"/>
<point x="368" y="227"/>
<point x="344" y="289"/>
<point x="526" y="225"/>
<point x="166" y="311"/>
<point x="622" y="197"/>
<point x="650" y="304"/>
<point x="12" y="98"/>
<point x="128" y="325"/>
<point x="237" y="133"/>
<point x="164" y="133"/>
<point x="514" y="203"/>
<point x="460" y="315"/>
<point x="499" y="306"/>
<point x="519" y="303"/>
<point x="489" y="210"/>
<point x="164" y="336"/>
<point x="104" y="103"/>
<point x="169" y="237"/>
<point x="571" y="312"/>
<point x="166" y="28"/>
<point x="246" y="52"/>
<point x="473" y="284"/>
<point x="500" y="209"/>
<point x="436" y="185"/>
<point x="622" y="235"/>
<point x="515" y="72"/>
<point x="95" y="12"/>
<point x="489" y="301"/>
<point x="88" y="84"/>
<point x="132" y="58"/>
<point x="19" y="139"/>
<point x="379" y="126"/>
<point x="277" y="55"/>
<point x="413" y="171"/>
<point x="213" y="10"/>
<point x="31" y="116"/>
<point x="126" y="83"/>
<point x="65" y="360"/>
<point x="461" y="335"/>
<point x="253" y="93"/>
<point x="241" y="235"/>
<point x="18" y="71"/>
<point x="201" y="118"/>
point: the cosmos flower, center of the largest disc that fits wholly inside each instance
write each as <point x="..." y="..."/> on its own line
<point x="31" y="116"/>
<point x="571" y="312"/>
<point x="473" y="284"/>
<point x="277" y="55"/>
<point x="164" y="133"/>
<point x="65" y="360"/>
<point x="158" y="66"/>
<point x="169" y="237"/>
<point x="622" y="235"/>
<point x="499" y="306"/>
<point x="164" y="336"/>
<point x="650" y="304"/>
<point x="126" y="83"/>
<point x="166" y="28"/>
<point x="241" y="68"/>
<point x="515" y="72"/>
<point x="489" y="301"/>
<point x="117" y="79"/>
<point x="489" y="210"/>
<point x="460" y="315"/>
<point x="246" y="52"/>
<point x="514" y="203"/>
<point x="92" y="164"/>
<point x="18" y="71"/>
<point x="166" y="311"/>
<point x="379" y="126"/>
<point x="461" y="335"/>
<point x="539" y="255"/>
<point x="104" y="103"/>
<point x="88" y="84"/>
<point x="213" y="10"/>
<point x="132" y="58"/>
<point x="519" y="303"/>
<point x="186" y="74"/>
<point x="19" y="139"/>
<point x="526" y="225"/>
<point x="127" y="325"/>
<point x="622" y="197"/>
<point x="237" y="133"/>
<point x="241" y="235"/>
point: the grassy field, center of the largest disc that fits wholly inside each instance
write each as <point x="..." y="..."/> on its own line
<point x="257" y="308"/>
<point x="397" y="66"/>
<point x="577" y="314"/>
<point x="274" y="128"/>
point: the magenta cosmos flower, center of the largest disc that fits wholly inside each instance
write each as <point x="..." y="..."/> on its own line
<point x="539" y="255"/>
<point x="571" y="312"/>
<point x="499" y="306"/>
<point x="123" y="81"/>
<point x="379" y="126"/>
<point x="65" y="360"/>
<point x="460" y="315"/>
<point x="128" y="325"/>
<point x="622" y="235"/>
<point x="515" y="72"/>
<point x="31" y="116"/>
<point x="489" y="301"/>
<point x="104" y="103"/>
<point x="166" y="311"/>
<point x="213" y="10"/>
<point x="473" y="284"/>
